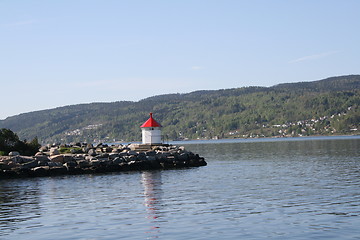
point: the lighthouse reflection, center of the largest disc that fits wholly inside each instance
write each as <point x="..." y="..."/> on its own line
<point x="151" y="180"/>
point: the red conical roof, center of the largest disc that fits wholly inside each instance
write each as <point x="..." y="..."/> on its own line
<point x="150" y="123"/>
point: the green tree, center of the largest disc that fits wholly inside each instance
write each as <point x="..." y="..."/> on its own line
<point x="9" y="141"/>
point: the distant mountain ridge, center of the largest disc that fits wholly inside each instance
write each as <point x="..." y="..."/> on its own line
<point x="342" y="83"/>
<point x="236" y="112"/>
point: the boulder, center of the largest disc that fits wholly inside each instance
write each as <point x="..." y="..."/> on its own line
<point x="103" y="155"/>
<point x="5" y="158"/>
<point x="181" y="148"/>
<point x="141" y="156"/>
<point x="95" y="163"/>
<point x="116" y="150"/>
<point x="70" y="165"/>
<point x="92" y="152"/>
<point x="43" y="149"/>
<point x="29" y="165"/>
<point x="41" y="171"/>
<point x="54" y="164"/>
<point x="57" y="158"/>
<point x="112" y="156"/>
<point x="42" y="158"/>
<point x="4" y="166"/>
<point x="108" y="149"/>
<point x="151" y="158"/>
<point x="54" y="151"/>
<point x="83" y="164"/>
<point x="40" y="154"/>
<point x="60" y="170"/>
<point x="118" y="160"/>
<point x="68" y="158"/>
<point x="150" y="153"/>
<point x="122" y="154"/>
<point x="183" y="157"/>
<point x="22" y="159"/>
<point x="132" y="153"/>
<point x="14" y="153"/>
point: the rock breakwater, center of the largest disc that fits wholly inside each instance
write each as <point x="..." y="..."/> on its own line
<point x="86" y="159"/>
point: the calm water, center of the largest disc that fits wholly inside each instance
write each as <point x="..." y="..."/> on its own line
<point x="255" y="189"/>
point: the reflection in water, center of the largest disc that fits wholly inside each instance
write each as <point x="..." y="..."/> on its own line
<point x="19" y="202"/>
<point x="151" y="181"/>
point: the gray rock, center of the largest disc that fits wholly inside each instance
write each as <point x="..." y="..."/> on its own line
<point x="14" y="153"/>
<point x="29" y="165"/>
<point x="43" y="149"/>
<point x="57" y="158"/>
<point x="115" y="150"/>
<point x="41" y="168"/>
<point x="141" y="156"/>
<point x="68" y="158"/>
<point x="22" y="159"/>
<point x="41" y="171"/>
<point x="151" y="158"/>
<point x="54" y="164"/>
<point x="4" y="166"/>
<point x="92" y="152"/>
<point x="108" y="149"/>
<point x="83" y="163"/>
<point x="103" y="155"/>
<point x="70" y="164"/>
<point x="54" y="151"/>
<point x="150" y="153"/>
<point x="40" y="154"/>
<point x="122" y="154"/>
<point x="112" y="156"/>
<point x="118" y="160"/>
<point x="132" y="153"/>
<point x="182" y="148"/>
<point x="183" y="157"/>
<point x="42" y="158"/>
<point x="95" y="163"/>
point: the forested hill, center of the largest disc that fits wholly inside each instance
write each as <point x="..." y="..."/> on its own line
<point x="329" y="106"/>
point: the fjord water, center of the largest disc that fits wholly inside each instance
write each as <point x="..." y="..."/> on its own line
<point x="306" y="188"/>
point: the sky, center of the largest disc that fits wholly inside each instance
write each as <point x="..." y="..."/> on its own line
<point x="58" y="53"/>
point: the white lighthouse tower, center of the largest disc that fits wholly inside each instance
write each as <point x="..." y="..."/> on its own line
<point x="151" y="133"/>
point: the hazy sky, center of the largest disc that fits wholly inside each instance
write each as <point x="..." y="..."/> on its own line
<point x="56" y="53"/>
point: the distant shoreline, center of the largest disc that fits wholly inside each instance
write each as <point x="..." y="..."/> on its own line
<point x="266" y="139"/>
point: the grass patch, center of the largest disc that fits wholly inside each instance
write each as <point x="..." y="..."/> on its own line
<point x="70" y="150"/>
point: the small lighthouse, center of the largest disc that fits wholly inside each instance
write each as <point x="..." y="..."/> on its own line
<point x="151" y="133"/>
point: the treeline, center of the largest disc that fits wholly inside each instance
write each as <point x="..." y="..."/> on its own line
<point x="329" y="106"/>
<point x="9" y="141"/>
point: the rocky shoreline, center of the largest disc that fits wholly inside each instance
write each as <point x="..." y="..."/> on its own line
<point x="87" y="159"/>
